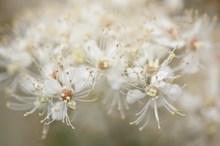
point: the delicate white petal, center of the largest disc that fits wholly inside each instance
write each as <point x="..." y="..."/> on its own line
<point x="22" y="58"/>
<point x="93" y="51"/>
<point x="29" y="84"/>
<point x="80" y="77"/>
<point x="115" y="79"/>
<point x="47" y="69"/>
<point x="174" y="92"/>
<point x="64" y="78"/>
<point x="171" y="43"/>
<point x="160" y="76"/>
<point x="57" y="111"/>
<point x="112" y="50"/>
<point x="192" y="64"/>
<point x="51" y="87"/>
<point x="134" y="74"/>
<point x="134" y="95"/>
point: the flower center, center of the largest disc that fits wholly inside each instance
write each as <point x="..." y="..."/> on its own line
<point x="152" y="92"/>
<point x="66" y="94"/>
<point x="104" y="63"/>
<point x="152" y="66"/>
<point x="171" y="32"/>
<point x="194" y="44"/>
<point x="54" y="74"/>
<point x="43" y="99"/>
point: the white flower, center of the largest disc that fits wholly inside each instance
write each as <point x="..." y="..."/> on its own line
<point x="102" y="55"/>
<point x="34" y="98"/>
<point x="197" y="44"/>
<point x="156" y="88"/>
<point x="114" y="99"/>
<point x="149" y="52"/>
<point x="134" y="95"/>
<point x="164" y="31"/>
<point x="70" y="86"/>
<point x="109" y="65"/>
<point x="147" y="63"/>
<point x="151" y="66"/>
<point x="14" y="61"/>
<point x="134" y="74"/>
<point x="156" y="94"/>
<point x="193" y="63"/>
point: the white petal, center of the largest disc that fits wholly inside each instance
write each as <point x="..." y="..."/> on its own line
<point x="134" y="95"/>
<point x="112" y="50"/>
<point x="157" y="79"/>
<point x="170" y="43"/>
<point x="174" y="92"/>
<point x="57" y="111"/>
<point x="51" y="87"/>
<point x="114" y="79"/>
<point x="28" y="84"/>
<point x="22" y="58"/>
<point x="134" y="74"/>
<point x="64" y="78"/>
<point x="192" y="62"/>
<point x="80" y="77"/>
<point x="93" y="51"/>
<point x="47" y="69"/>
<point x="161" y="75"/>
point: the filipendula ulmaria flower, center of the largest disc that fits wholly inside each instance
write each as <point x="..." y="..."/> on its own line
<point x="14" y="59"/>
<point x="198" y="37"/>
<point x="156" y="89"/>
<point x="70" y="87"/>
<point x="33" y="100"/>
<point x="105" y="57"/>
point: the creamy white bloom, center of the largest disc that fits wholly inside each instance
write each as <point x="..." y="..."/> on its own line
<point x="14" y="60"/>
<point x="109" y="66"/>
<point x="197" y="44"/>
<point x="70" y="87"/>
<point x="156" y="89"/>
<point x="156" y="94"/>
<point x="34" y="98"/>
<point x="164" y="31"/>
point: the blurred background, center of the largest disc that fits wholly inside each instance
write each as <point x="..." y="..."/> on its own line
<point x="16" y="130"/>
<point x="10" y="7"/>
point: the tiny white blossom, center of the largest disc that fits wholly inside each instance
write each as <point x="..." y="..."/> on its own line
<point x="156" y="89"/>
<point x="14" y="61"/>
<point x="70" y="86"/>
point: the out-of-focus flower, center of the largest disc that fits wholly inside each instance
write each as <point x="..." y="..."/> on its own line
<point x="14" y="60"/>
<point x="157" y="88"/>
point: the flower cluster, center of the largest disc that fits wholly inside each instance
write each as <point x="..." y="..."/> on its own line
<point x="123" y="54"/>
